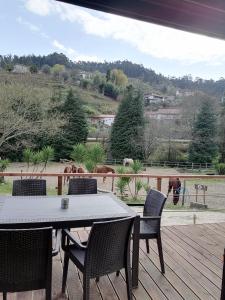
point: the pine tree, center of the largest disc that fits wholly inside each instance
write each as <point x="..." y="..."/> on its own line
<point x="203" y="147"/>
<point x="222" y="134"/>
<point x="75" y="130"/>
<point x="128" y="128"/>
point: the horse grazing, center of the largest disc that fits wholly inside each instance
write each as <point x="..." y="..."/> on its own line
<point x="74" y="169"/>
<point x="175" y="184"/>
<point x="127" y="162"/>
<point x="67" y="169"/>
<point x="104" y="169"/>
<point x="80" y="170"/>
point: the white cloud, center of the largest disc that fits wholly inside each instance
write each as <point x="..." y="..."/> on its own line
<point x="32" y="27"/>
<point x="150" y="39"/>
<point x="73" y="54"/>
<point x="40" y="7"/>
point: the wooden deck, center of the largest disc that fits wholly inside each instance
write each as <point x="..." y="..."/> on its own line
<point x="193" y="257"/>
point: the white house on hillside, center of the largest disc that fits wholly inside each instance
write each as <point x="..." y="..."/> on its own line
<point x="164" y="114"/>
<point x="102" y="119"/>
<point x="21" y="69"/>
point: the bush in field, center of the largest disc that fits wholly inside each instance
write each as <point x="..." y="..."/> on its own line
<point x="168" y="152"/>
<point x="136" y="166"/>
<point x="3" y="166"/>
<point x="90" y="156"/>
<point x="111" y="90"/>
<point x="220" y="168"/>
<point x="47" y="154"/>
<point x="35" y="158"/>
<point x="33" y="69"/>
<point x="79" y="153"/>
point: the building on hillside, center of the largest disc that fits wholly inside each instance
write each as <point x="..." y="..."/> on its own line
<point x="106" y="120"/>
<point x="84" y="75"/>
<point x="20" y="69"/>
<point x="184" y="93"/>
<point x="164" y="114"/>
<point x="151" y="98"/>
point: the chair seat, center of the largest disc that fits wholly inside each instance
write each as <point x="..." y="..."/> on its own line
<point x="147" y="230"/>
<point x="77" y="256"/>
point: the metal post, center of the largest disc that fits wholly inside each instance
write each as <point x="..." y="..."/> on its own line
<point x="196" y="196"/>
<point x="184" y="190"/>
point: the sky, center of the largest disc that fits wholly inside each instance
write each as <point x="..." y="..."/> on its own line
<point x="41" y="27"/>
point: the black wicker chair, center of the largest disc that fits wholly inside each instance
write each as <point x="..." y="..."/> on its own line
<point x="25" y="260"/>
<point x="35" y="187"/>
<point x="29" y="187"/>
<point x="151" y="221"/>
<point x="223" y="279"/>
<point x="79" y="186"/>
<point x="107" y="251"/>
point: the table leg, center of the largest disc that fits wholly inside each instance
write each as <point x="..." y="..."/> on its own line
<point x="135" y="257"/>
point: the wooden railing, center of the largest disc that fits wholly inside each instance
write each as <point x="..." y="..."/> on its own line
<point x="60" y="177"/>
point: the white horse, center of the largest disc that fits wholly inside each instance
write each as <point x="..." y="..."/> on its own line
<point x="127" y="161"/>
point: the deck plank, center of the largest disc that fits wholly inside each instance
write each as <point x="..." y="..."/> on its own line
<point x="193" y="263"/>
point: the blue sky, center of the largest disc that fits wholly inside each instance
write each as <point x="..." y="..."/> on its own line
<point x="46" y="26"/>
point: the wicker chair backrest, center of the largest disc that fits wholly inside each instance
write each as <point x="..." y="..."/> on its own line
<point x="79" y="186"/>
<point x="25" y="259"/>
<point x="108" y="246"/>
<point x="29" y="187"/>
<point x="154" y="203"/>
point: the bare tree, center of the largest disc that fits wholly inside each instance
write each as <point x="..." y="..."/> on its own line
<point x="150" y="138"/>
<point x="24" y="111"/>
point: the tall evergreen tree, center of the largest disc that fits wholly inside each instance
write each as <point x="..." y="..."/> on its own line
<point x="128" y="128"/>
<point x="222" y="133"/>
<point x="203" y="147"/>
<point x="75" y="129"/>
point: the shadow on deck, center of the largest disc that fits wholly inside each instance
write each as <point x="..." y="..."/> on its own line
<point x="193" y="260"/>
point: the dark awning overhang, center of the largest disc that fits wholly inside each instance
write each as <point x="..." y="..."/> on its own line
<point x="206" y="17"/>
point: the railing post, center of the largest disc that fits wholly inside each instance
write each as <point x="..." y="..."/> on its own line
<point x="60" y="185"/>
<point x="159" y="184"/>
<point x="112" y="184"/>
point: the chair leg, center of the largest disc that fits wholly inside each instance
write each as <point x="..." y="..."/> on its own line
<point x="129" y="282"/>
<point x="65" y="271"/>
<point x="48" y="293"/>
<point x="97" y="279"/>
<point x="147" y="245"/>
<point x="117" y="273"/>
<point x="86" y="287"/>
<point x="4" y="295"/>
<point x="159" y="243"/>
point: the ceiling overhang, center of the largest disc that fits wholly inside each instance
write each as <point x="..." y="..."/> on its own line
<point x="205" y="17"/>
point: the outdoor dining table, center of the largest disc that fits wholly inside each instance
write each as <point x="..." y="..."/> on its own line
<point x="83" y="210"/>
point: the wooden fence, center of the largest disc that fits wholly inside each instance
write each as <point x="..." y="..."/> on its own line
<point x="170" y="164"/>
<point x="60" y="177"/>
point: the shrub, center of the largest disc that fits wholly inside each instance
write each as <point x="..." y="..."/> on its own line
<point x="79" y="153"/>
<point x="111" y="90"/>
<point x="220" y="168"/>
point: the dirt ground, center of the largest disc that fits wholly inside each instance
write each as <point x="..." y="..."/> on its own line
<point x="215" y="195"/>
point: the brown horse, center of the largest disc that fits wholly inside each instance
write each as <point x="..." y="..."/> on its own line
<point x="104" y="169"/>
<point x="175" y="184"/>
<point x="80" y="170"/>
<point x="74" y="169"/>
<point x="67" y="169"/>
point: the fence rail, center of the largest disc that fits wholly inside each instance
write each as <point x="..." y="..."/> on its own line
<point x="171" y="164"/>
<point x="60" y="177"/>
